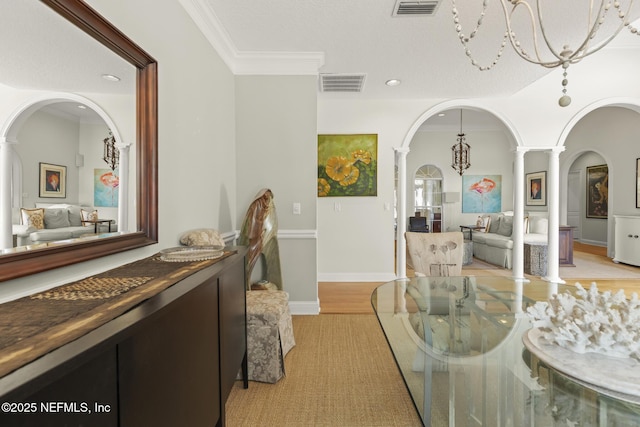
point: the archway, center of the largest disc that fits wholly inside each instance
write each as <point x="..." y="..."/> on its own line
<point x="608" y="128"/>
<point x="10" y="166"/>
<point x="513" y="139"/>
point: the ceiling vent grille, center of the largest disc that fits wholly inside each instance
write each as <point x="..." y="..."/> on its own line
<point x="342" y="82"/>
<point x="416" y="8"/>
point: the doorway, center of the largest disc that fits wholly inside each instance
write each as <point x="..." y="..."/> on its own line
<point x="427" y="196"/>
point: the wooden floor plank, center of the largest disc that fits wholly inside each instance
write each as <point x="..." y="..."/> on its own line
<point x="355" y="297"/>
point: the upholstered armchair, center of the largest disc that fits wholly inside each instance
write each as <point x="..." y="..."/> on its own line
<point x="436" y="254"/>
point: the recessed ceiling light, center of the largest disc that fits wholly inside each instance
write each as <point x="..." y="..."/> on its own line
<point x="441" y="114"/>
<point x="82" y="107"/>
<point x="392" y="82"/>
<point x="111" y="77"/>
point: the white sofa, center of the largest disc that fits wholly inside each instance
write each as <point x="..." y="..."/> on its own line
<point x="60" y="222"/>
<point x="495" y="244"/>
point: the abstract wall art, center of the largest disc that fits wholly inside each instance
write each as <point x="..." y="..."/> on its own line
<point x="481" y="193"/>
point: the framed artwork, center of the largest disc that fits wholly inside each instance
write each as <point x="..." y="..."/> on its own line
<point x="481" y="193"/>
<point x="597" y="191"/>
<point x="53" y="180"/>
<point x="537" y="188"/>
<point x="637" y="183"/>
<point x="105" y="187"/>
<point x="347" y="165"/>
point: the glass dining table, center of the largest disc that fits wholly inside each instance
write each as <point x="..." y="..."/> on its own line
<point x="458" y="342"/>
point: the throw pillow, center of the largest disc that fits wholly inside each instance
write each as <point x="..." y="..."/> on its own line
<point x="494" y="223"/>
<point x="506" y="226"/>
<point x="56" y="218"/>
<point x="89" y="215"/>
<point x="33" y="217"/>
<point x="75" y="217"/>
<point x="201" y="237"/>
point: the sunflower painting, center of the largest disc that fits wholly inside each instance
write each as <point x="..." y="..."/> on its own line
<point x="347" y="165"/>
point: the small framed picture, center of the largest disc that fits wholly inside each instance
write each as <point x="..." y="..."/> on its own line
<point x="53" y="180"/>
<point x="537" y="189"/>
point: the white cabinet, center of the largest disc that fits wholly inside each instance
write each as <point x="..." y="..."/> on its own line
<point x="627" y="246"/>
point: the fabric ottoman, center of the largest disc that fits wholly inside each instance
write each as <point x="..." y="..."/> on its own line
<point x="535" y="259"/>
<point x="269" y="334"/>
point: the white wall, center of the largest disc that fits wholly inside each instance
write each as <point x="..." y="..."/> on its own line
<point x="356" y="242"/>
<point x="276" y="145"/>
<point x="49" y="139"/>
<point x="491" y="154"/>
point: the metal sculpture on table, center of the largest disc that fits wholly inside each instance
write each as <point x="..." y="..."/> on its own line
<point x="260" y="234"/>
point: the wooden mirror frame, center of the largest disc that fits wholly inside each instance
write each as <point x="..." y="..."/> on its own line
<point x="19" y="264"/>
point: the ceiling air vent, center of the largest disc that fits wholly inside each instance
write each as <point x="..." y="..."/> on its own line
<point x="415" y="8"/>
<point x="341" y="82"/>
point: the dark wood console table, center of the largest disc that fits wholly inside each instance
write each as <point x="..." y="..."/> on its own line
<point x="164" y="352"/>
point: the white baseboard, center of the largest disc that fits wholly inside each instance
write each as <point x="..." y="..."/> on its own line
<point x="356" y="277"/>
<point x="593" y="242"/>
<point x="304" y="307"/>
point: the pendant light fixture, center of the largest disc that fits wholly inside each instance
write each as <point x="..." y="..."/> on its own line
<point x="111" y="152"/>
<point x="550" y="54"/>
<point x="460" y="152"/>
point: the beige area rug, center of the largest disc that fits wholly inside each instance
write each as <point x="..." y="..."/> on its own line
<point x="598" y="267"/>
<point x="341" y="373"/>
<point x="587" y="267"/>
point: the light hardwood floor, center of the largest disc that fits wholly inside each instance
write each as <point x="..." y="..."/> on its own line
<point x="355" y="297"/>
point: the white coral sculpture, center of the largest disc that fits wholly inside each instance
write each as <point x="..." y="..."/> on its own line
<point x="602" y="323"/>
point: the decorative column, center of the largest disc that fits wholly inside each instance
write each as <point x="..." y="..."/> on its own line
<point x="553" y="238"/>
<point x="123" y="186"/>
<point x="401" y="225"/>
<point x="6" y="160"/>
<point x="518" y="214"/>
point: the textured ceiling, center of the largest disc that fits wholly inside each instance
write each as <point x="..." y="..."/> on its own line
<point x="40" y="50"/>
<point x="362" y="36"/>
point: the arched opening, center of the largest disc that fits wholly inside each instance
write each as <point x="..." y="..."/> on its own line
<point x="60" y="108"/>
<point x="429" y="141"/>
<point x="601" y="134"/>
<point x="427" y="196"/>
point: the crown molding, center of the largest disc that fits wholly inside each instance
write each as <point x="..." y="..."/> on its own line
<point x="249" y="63"/>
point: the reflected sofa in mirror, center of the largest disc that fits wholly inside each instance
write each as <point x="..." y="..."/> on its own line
<point x="140" y="223"/>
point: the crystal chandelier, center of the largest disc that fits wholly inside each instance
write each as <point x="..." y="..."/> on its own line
<point x="460" y="152"/>
<point x="111" y="152"/>
<point x="559" y="57"/>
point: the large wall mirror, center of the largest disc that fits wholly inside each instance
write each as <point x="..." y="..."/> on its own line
<point x="142" y="216"/>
